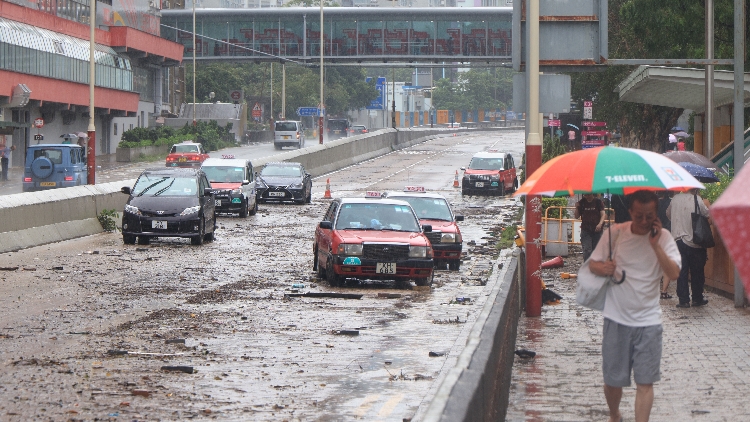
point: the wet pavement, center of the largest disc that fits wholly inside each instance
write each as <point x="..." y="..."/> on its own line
<point x="92" y="329"/>
<point x="705" y="367"/>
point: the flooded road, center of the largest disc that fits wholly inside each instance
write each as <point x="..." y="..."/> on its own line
<point x="93" y="329"/>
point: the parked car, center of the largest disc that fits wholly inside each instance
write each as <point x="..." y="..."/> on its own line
<point x="372" y="238"/>
<point x="284" y="182"/>
<point x="169" y="202"/>
<point x="338" y="128"/>
<point x="358" y="129"/>
<point x="186" y="154"/>
<point x="288" y="133"/>
<point x="233" y="181"/>
<point x="433" y="209"/>
<point x="490" y="172"/>
<point x="50" y="166"/>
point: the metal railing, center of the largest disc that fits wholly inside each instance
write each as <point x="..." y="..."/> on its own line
<point x="563" y="237"/>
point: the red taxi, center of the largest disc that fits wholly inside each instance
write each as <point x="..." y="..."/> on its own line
<point x="433" y="209"/>
<point x="186" y="154"/>
<point x="490" y="172"/>
<point x="372" y="238"/>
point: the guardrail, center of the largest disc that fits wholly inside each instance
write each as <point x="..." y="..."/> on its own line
<point x="562" y="238"/>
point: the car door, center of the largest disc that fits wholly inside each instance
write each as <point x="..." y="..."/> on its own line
<point x="208" y="202"/>
<point x="306" y="181"/>
<point x="249" y="189"/>
<point x="323" y="237"/>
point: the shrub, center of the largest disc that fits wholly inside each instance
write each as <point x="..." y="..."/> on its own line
<point x="108" y="220"/>
<point x="714" y="190"/>
<point x="554" y="202"/>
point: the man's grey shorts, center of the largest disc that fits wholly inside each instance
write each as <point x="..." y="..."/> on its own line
<point x="627" y="348"/>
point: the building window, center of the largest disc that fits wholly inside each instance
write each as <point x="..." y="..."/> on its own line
<point x="131" y="126"/>
<point x="115" y="128"/>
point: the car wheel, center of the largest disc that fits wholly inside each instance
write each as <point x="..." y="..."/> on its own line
<point x="427" y="281"/>
<point x="198" y="240"/>
<point x="144" y="240"/>
<point x="334" y="280"/>
<point x="245" y="210"/>
<point x="128" y="239"/>
<point x="454" y="265"/>
<point x="254" y="210"/>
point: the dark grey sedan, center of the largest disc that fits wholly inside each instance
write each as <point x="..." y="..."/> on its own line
<point x="284" y="182"/>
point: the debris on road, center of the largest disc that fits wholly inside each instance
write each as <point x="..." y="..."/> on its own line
<point x="436" y="354"/>
<point x="348" y="332"/>
<point x="526" y="354"/>
<point x="185" y="369"/>
<point x="326" y="294"/>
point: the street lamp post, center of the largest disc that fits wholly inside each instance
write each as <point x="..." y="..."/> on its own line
<point x="322" y="104"/>
<point x="194" y="121"/>
<point x="91" y="147"/>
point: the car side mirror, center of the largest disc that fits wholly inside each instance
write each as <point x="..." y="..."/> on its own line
<point x="125" y="190"/>
<point x="327" y="225"/>
<point x="427" y="228"/>
<point x="463" y="168"/>
<point x="245" y="182"/>
<point x="459" y="218"/>
<point x="208" y="191"/>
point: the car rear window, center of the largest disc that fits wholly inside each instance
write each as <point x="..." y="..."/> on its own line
<point x="288" y="171"/>
<point x="337" y="124"/>
<point x="224" y="174"/>
<point x="53" y="154"/>
<point x="160" y="185"/>
<point x="185" y="148"/>
<point x="377" y="217"/>
<point x="478" y="163"/>
<point x="286" y="126"/>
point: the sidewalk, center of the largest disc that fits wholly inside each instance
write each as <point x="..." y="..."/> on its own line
<point x="705" y="367"/>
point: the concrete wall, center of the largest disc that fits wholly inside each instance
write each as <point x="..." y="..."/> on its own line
<point x="477" y="387"/>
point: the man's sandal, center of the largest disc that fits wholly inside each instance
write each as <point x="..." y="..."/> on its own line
<point x="665" y="295"/>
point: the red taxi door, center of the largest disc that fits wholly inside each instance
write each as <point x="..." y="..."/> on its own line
<point x="323" y="237"/>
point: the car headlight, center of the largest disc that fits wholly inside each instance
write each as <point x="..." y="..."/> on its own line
<point x="449" y="238"/>
<point x="236" y="191"/>
<point x="296" y="185"/>
<point x="494" y="177"/>
<point x="349" y="249"/>
<point x="191" y="210"/>
<point x="420" y="252"/>
<point x="133" y="210"/>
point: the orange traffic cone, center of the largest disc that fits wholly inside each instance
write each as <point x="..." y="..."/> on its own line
<point x="555" y="262"/>
<point x="455" y="181"/>
<point x="568" y="275"/>
<point x="328" y="189"/>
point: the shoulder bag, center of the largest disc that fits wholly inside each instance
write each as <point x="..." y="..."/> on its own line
<point x="702" y="235"/>
<point x="591" y="290"/>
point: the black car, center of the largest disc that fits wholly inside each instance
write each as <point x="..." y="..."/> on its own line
<point x="169" y="202"/>
<point x="284" y="182"/>
<point x="338" y="128"/>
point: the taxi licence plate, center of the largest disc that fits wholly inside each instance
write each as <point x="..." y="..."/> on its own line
<point x="182" y="159"/>
<point x="479" y="184"/>
<point x="276" y="194"/>
<point x="385" y="268"/>
<point x="286" y="137"/>
<point x="48" y="184"/>
<point x="159" y="225"/>
<point x="218" y="202"/>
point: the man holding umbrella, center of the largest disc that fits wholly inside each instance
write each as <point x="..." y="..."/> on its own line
<point x="632" y="334"/>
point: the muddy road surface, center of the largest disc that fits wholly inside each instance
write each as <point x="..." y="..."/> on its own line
<point x="93" y="329"/>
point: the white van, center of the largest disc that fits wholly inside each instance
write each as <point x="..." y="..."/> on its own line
<point x="288" y="133"/>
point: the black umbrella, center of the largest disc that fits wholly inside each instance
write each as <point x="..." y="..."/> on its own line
<point x="701" y="173"/>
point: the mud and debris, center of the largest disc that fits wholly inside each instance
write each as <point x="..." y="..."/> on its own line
<point x="99" y="330"/>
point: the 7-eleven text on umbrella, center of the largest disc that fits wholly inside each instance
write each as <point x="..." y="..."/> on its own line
<point x="626" y="178"/>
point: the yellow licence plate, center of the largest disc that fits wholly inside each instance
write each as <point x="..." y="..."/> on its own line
<point x="48" y="184"/>
<point x="182" y="159"/>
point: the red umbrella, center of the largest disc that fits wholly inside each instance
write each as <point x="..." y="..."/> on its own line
<point x="731" y="214"/>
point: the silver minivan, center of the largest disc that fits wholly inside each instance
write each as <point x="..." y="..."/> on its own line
<point x="288" y="133"/>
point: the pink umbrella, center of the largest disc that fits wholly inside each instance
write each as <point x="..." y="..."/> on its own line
<point x="731" y="214"/>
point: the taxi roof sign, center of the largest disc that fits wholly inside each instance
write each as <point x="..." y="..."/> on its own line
<point x="414" y="189"/>
<point x="372" y="194"/>
<point x="227" y="156"/>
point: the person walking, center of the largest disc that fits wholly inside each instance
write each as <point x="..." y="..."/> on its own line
<point x="693" y="256"/>
<point x="4" y="157"/>
<point x="632" y="332"/>
<point x="590" y="210"/>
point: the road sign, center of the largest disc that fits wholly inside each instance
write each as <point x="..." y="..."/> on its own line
<point x="38" y="137"/>
<point x="588" y="109"/>
<point x="38" y="122"/>
<point x="379" y="102"/>
<point x="594" y="124"/>
<point x="308" y="111"/>
<point x="235" y="95"/>
<point x="257" y="111"/>
<point x="588" y="103"/>
<point x="553" y="123"/>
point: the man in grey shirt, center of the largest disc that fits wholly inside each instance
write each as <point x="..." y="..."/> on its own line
<point x="693" y="256"/>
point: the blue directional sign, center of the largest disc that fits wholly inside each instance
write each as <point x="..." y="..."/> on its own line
<point x="377" y="104"/>
<point x="309" y="111"/>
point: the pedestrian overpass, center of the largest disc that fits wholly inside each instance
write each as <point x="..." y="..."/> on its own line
<point x="350" y="34"/>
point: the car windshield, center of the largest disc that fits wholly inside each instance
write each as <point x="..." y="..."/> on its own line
<point x="430" y="208"/>
<point x="161" y="185"/>
<point x="224" y="174"/>
<point x="377" y="217"/>
<point x="281" y="171"/>
<point x="286" y="126"/>
<point x="185" y="148"/>
<point x="360" y="128"/>
<point x="478" y="163"/>
<point x="53" y="154"/>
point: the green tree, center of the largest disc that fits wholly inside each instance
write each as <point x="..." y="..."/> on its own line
<point x="475" y="89"/>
